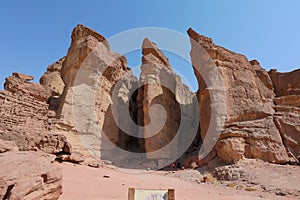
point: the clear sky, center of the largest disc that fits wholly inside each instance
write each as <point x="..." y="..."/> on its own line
<point x="34" y="34"/>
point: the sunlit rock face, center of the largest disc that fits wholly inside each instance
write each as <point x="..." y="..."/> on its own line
<point x="90" y="72"/>
<point x="287" y="116"/>
<point x="249" y="130"/>
<point x="25" y="117"/>
<point x="90" y="103"/>
<point x="164" y="104"/>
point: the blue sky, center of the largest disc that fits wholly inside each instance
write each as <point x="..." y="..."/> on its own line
<point x="34" y="34"/>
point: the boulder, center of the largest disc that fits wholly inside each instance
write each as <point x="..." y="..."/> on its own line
<point x="7" y="146"/>
<point x="52" y="81"/>
<point x="29" y="175"/>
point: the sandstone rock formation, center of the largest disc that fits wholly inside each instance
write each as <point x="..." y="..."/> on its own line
<point x="249" y="130"/>
<point x="52" y="81"/>
<point x="89" y="102"/>
<point x="153" y="91"/>
<point x="166" y="107"/>
<point x="19" y="84"/>
<point x="7" y="146"/>
<point x="29" y="175"/>
<point x="287" y="116"/>
<point x="25" y="118"/>
<point x="98" y="79"/>
<point x="124" y="102"/>
<point x="90" y="72"/>
<point x="285" y="84"/>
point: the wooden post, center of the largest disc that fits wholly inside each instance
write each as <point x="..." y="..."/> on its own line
<point x="171" y="194"/>
<point x="131" y="192"/>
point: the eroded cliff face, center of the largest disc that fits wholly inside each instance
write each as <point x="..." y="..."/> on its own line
<point x="249" y="129"/>
<point x="90" y="72"/>
<point x="285" y="84"/>
<point x="89" y="103"/>
<point x="287" y="116"/>
<point x="25" y="118"/>
<point x="153" y="92"/>
<point x="166" y="108"/>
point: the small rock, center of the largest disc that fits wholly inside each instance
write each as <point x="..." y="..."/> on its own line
<point x="250" y="189"/>
<point x="91" y="162"/>
<point x="281" y="193"/>
<point x="7" y="146"/>
<point x="106" y="162"/>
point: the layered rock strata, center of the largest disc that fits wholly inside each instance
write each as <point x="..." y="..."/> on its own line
<point x="25" y="118"/>
<point x="249" y="130"/>
<point x="91" y="101"/>
<point x="287" y="116"/>
<point x="28" y="175"/>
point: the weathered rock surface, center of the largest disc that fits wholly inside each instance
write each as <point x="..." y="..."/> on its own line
<point x="26" y="120"/>
<point x="152" y="92"/>
<point x="165" y="106"/>
<point x="52" y="81"/>
<point x="287" y="116"/>
<point x="7" y="146"/>
<point x="54" y="84"/>
<point x="90" y="72"/>
<point x="89" y="99"/>
<point x="29" y="175"/>
<point x="19" y="83"/>
<point x="282" y="180"/>
<point x="229" y="173"/>
<point x="125" y="104"/>
<point x="286" y="83"/>
<point x="249" y="129"/>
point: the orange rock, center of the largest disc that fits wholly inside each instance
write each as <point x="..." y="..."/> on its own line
<point x="249" y="129"/>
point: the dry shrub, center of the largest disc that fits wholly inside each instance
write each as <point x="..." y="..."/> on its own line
<point x="231" y="184"/>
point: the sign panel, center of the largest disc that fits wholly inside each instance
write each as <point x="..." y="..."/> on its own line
<point x="140" y="194"/>
<point x="151" y="195"/>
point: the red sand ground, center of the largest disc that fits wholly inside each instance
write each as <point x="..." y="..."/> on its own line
<point x="86" y="183"/>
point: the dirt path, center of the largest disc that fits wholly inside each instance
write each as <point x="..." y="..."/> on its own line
<point x="82" y="182"/>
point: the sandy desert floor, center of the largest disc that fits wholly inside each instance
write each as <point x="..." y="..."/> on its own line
<point x="106" y="183"/>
